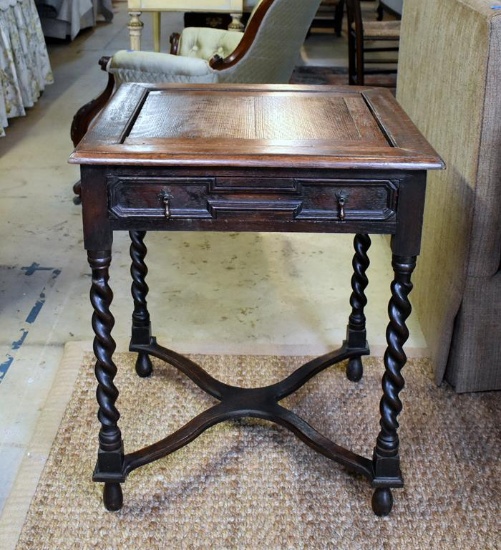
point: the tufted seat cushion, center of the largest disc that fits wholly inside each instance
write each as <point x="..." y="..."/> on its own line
<point x="204" y="43"/>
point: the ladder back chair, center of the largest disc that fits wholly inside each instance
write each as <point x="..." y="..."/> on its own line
<point x="369" y="43"/>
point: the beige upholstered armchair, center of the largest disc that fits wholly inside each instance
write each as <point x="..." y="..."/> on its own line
<point x="265" y="53"/>
<point x="449" y="82"/>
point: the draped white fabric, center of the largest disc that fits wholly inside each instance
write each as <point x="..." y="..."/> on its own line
<point x="73" y="16"/>
<point x="24" y="62"/>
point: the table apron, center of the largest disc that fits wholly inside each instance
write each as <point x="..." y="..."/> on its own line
<point x="315" y="201"/>
<point x="236" y="202"/>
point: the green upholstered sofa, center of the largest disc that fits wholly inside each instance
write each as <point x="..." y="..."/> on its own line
<point x="449" y="82"/>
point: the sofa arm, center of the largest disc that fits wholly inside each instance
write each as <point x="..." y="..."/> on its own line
<point x="138" y="66"/>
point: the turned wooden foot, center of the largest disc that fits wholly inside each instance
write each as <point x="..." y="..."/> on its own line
<point x="144" y="367"/>
<point x="355" y="369"/>
<point x="382" y="501"/>
<point x="113" y="497"/>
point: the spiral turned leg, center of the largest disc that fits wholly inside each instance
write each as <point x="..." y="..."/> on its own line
<point x="110" y="456"/>
<point x="386" y="458"/>
<point x="141" y="326"/>
<point x="356" y="335"/>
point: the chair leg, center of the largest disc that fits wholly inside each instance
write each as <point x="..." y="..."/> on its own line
<point x="355" y="62"/>
<point x="352" y="66"/>
<point x="360" y="67"/>
<point x="338" y="17"/>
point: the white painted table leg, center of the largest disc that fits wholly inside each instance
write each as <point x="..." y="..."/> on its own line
<point x="135" y="27"/>
<point x="236" y="22"/>
<point x="156" y="15"/>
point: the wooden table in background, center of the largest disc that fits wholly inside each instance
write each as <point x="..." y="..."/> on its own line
<point x="135" y="7"/>
<point x="252" y="158"/>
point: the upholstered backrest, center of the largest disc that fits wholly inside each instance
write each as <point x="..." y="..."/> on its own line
<point x="449" y="82"/>
<point x="204" y="43"/>
<point x="274" y="51"/>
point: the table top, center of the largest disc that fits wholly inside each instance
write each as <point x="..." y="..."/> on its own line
<point x="265" y="126"/>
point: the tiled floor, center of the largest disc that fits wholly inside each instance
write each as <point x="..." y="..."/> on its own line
<point x="220" y="293"/>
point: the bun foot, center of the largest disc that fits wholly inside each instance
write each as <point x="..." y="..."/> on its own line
<point x="77" y="189"/>
<point x="144" y="367"/>
<point x="382" y="501"/>
<point x="355" y="369"/>
<point x="112" y="497"/>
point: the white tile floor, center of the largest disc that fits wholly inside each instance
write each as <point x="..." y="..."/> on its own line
<point x="260" y="293"/>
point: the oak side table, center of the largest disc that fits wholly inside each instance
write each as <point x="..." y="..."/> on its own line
<point x="252" y="158"/>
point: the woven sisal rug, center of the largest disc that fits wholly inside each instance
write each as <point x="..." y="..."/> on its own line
<point x="253" y="485"/>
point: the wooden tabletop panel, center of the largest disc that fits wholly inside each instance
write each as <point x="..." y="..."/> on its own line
<point x="236" y="125"/>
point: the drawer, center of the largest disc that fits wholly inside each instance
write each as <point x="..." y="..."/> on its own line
<point x="162" y="198"/>
<point x="348" y="200"/>
<point x="253" y="198"/>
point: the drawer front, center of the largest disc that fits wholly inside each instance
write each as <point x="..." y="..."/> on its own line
<point x="254" y="199"/>
<point x="161" y="198"/>
<point x="346" y="200"/>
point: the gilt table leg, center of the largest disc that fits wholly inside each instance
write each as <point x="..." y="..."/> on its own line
<point x="110" y="455"/>
<point x="141" y="326"/>
<point x="356" y="334"/>
<point x="386" y="458"/>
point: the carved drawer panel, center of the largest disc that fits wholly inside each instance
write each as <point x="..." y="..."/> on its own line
<point x="159" y="197"/>
<point x="227" y="197"/>
<point x="348" y="199"/>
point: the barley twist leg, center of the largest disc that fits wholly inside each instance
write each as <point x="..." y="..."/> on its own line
<point x="386" y="458"/>
<point x="141" y="326"/>
<point x="356" y="332"/>
<point x="110" y="456"/>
